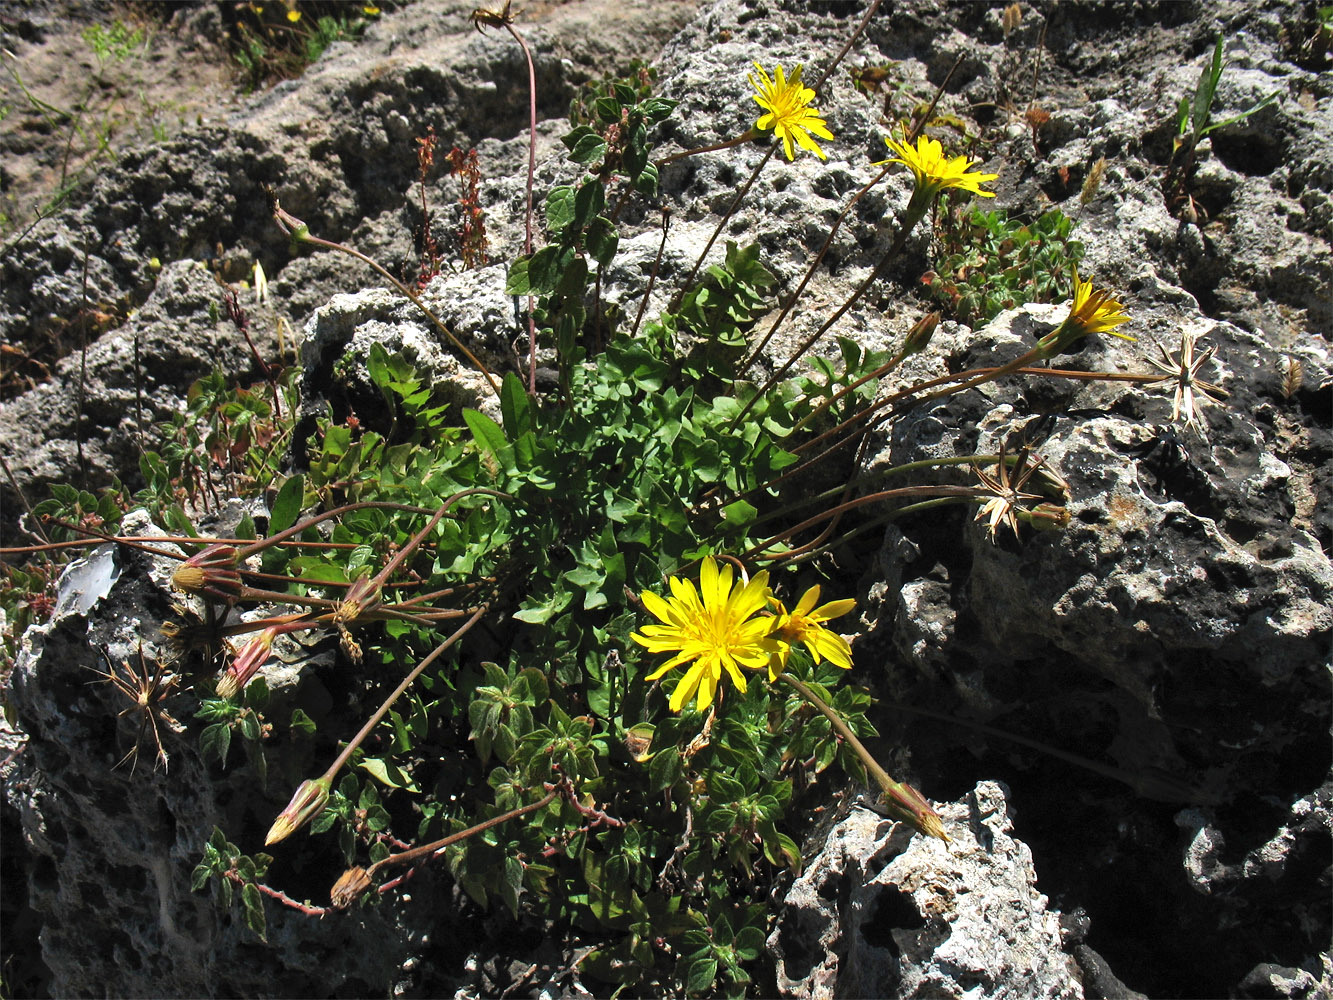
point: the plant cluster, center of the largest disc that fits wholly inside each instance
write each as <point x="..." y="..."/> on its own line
<point x="1194" y="121"/>
<point x="110" y="107"/>
<point x="493" y="582"/>
<point x="986" y="262"/>
<point x="276" y="41"/>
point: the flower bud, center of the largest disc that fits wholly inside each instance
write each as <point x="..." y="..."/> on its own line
<point x="919" y="336"/>
<point x="1047" y="517"/>
<point x="246" y="663"/>
<point x="351" y="886"/>
<point x="306" y="804"/>
<point x="212" y="572"/>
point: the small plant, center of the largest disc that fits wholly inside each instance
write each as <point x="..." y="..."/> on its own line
<point x="87" y="132"/>
<point x="636" y="84"/>
<point x="113" y="44"/>
<point x="472" y="244"/>
<point x="1193" y="122"/>
<point x="277" y="41"/>
<point x="987" y="262"/>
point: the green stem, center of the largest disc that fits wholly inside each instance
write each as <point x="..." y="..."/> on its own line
<point x="902" y="800"/>
<point x="380" y="712"/>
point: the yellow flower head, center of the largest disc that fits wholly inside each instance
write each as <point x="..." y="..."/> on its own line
<point x="805" y="624"/>
<point x="933" y="172"/>
<point x="1090" y="312"/>
<point x="713" y="628"/>
<point x="1096" y="312"/>
<point x="789" y="113"/>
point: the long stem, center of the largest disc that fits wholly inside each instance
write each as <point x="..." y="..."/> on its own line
<point x="380" y="712"/>
<point x="652" y="278"/>
<point x="904" y="801"/>
<point x="721" y="223"/>
<point x="745" y="137"/>
<point x="916" y="210"/>
<point x="301" y="233"/>
<point x="809" y="272"/>
<point x="532" y="170"/>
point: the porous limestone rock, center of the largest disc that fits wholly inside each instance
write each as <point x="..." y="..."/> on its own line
<point x="881" y="911"/>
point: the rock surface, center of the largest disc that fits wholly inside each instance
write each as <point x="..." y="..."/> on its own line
<point x="879" y="912"/>
<point x="1170" y="649"/>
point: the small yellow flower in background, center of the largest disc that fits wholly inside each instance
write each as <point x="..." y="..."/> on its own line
<point x="789" y="113"/>
<point x="370" y="10"/>
<point x="713" y="628"/>
<point x="1090" y="312"/>
<point x="933" y="172"/>
<point x="805" y="624"/>
<point x="293" y="15"/>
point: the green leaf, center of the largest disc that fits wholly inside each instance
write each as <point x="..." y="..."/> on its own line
<point x="559" y="208"/>
<point x="249" y="726"/>
<point x="287" y="505"/>
<point x="665" y="768"/>
<point x="301" y="723"/>
<point x="199" y="878"/>
<point x="603" y="240"/>
<point x="587" y="148"/>
<point x="739" y="514"/>
<point x="253" y="904"/>
<point x="699" y="975"/>
<point x="1203" y="94"/>
<point x="645" y="182"/>
<point x="749" y="943"/>
<point x="518" y="282"/>
<point x="515" y="407"/>
<point x="588" y="203"/>
<point x="546" y="269"/>
<point x="388" y="773"/>
<point x="489" y="435"/>
<point x="214" y="742"/>
<point x="607" y="110"/>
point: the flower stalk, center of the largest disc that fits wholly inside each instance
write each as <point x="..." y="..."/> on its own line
<point x="902" y="800"/>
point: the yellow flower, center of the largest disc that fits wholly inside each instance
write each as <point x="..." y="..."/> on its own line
<point x="1090" y="312"/>
<point x="713" y="628"/>
<point x="933" y="172"/>
<point x="1096" y="312"/>
<point x="805" y="624"/>
<point x="789" y="113"/>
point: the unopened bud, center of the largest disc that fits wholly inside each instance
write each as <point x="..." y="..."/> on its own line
<point x="306" y="804"/>
<point x="919" y="336"/>
<point x="350" y="887"/>
<point x="1047" y="517"/>
<point x="211" y="572"/>
<point x="246" y="663"/>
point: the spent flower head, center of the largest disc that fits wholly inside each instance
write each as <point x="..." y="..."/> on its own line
<point x="934" y="172"/>
<point x="713" y="629"/>
<point x="1004" y="488"/>
<point x="787" y="102"/>
<point x="805" y="624"/>
<point x="1190" y="390"/>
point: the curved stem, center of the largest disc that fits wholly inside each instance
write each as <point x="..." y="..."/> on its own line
<point x="721" y="223"/>
<point x="532" y="170"/>
<point x="374" y="720"/>
<point x="901" y="799"/>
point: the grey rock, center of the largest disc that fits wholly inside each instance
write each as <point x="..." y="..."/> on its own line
<point x="882" y="912"/>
